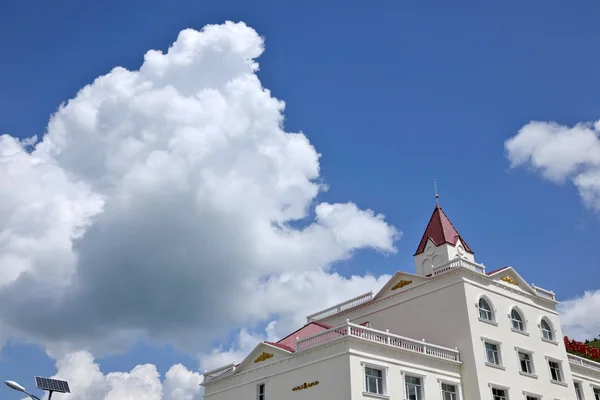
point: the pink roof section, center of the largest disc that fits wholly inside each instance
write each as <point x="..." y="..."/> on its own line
<point x="288" y="343"/>
<point x="440" y="230"/>
<point x="496" y="270"/>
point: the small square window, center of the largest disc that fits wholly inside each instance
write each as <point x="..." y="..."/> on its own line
<point x="260" y="392"/>
<point x="413" y="388"/>
<point x="449" y="391"/>
<point x="492" y="353"/>
<point x="499" y="394"/>
<point x="373" y="380"/>
<point x="555" y="371"/>
<point x="525" y="362"/>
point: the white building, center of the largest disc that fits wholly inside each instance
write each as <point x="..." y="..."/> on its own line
<point x="452" y="331"/>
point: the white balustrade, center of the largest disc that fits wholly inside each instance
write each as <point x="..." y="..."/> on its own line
<point x="458" y="262"/>
<point x="218" y="372"/>
<point x="584" y="362"/>
<point x="338" y="308"/>
<point x="373" y="335"/>
<point x="543" y="292"/>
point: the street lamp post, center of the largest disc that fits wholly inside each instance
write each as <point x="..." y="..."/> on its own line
<point x="47" y="384"/>
<point x="14" y="385"/>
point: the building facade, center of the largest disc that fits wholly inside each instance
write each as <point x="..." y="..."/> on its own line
<point x="451" y="331"/>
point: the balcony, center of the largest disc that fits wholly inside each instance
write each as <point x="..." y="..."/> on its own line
<point x="584" y="362"/>
<point x="218" y="372"/>
<point x="458" y="262"/>
<point x="375" y="336"/>
<point x="543" y="292"/>
<point x="338" y="308"/>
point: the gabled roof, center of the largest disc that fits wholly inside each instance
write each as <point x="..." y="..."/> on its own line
<point x="288" y="343"/>
<point x="440" y="230"/>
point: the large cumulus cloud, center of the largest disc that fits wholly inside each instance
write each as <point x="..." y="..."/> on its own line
<point x="170" y="204"/>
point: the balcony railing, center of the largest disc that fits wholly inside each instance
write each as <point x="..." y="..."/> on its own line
<point x="372" y="335"/>
<point x="218" y="372"/>
<point x="584" y="362"/>
<point x="543" y="292"/>
<point x="338" y="308"/>
<point x="458" y="262"/>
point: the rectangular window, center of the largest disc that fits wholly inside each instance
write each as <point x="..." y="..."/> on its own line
<point x="260" y="392"/>
<point x="448" y="392"/>
<point x="597" y="393"/>
<point x="525" y="363"/>
<point x="499" y="394"/>
<point x="492" y="353"/>
<point x="374" y="380"/>
<point x="578" y="390"/>
<point x="413" y="388"/>
<point x="555" y="372"/>
<point x="532" y="398"/>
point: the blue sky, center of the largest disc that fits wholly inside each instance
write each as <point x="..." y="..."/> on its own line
<point x="391" y="95"/>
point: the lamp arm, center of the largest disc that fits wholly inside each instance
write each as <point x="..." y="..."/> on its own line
<point x="34" y="397"/>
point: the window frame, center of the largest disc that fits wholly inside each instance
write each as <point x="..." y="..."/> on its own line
<point x="264" y="394"/>
<point x="551" y="330"/>
<point x="530" y="395"/>
<point x="578" y="387"/>
<point x="456" y="385"/>
<point x="523" y="320"/>
<point x="561" y="371"/>
<point x="411" y="374"/>
<point x="498" y="345"/>
<point x="595" y="391"/>
<point x="384" y="378"/>
<point x="492" y="310"/>
<point x="520" y="351"/>
<point x="493" y="386"/>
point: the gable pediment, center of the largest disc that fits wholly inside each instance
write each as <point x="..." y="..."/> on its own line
<point x="262" y="354"/>
<point x="509" y="277"/>
<point x="400" y="281"/>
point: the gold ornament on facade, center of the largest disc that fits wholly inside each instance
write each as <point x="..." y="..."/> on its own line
<point x="264" y="356"/>
<point x="401" y="284"/>
<point x="305" y="385"/>
<point x="510" y="280"/>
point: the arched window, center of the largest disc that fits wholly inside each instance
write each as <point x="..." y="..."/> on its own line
<point x="485" y="311"/>
<point x="517" y="320"/>
<point x="546" y="330"/>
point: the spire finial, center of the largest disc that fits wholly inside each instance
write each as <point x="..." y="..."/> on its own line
<point x="437" y="201"/>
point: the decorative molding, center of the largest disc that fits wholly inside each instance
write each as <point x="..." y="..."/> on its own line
<point x="305" y="385"/>
<point x="510" y="280"/>
<point x="401" y="284"/>
<point x="264" y="356"/>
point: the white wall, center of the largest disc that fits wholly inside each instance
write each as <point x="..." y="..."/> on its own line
<point x="588" y="379"/>
<point x="504" y="297"/>
<point x="329" y="365"/>
<point x="435" y="311"/>
<point x="443" y="311"/>
<point x="397" y="364"/>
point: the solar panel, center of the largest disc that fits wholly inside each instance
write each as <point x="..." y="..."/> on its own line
<point x="53" y="385"/>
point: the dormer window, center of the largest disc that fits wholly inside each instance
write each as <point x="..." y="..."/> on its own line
<point x="517" y="320"/>
<point x="485" y="311"/>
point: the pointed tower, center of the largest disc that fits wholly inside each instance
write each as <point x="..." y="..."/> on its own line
<point x="440" y="244"/>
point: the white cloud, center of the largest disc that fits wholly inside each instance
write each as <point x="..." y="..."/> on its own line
<point x="170" y="204"/>
<point x="87" y="382"/>
<point x="579" y="316"/>
<point x="561" y="153"/>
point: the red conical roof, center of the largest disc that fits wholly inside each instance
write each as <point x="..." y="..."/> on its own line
<point x="440" y="230"/>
